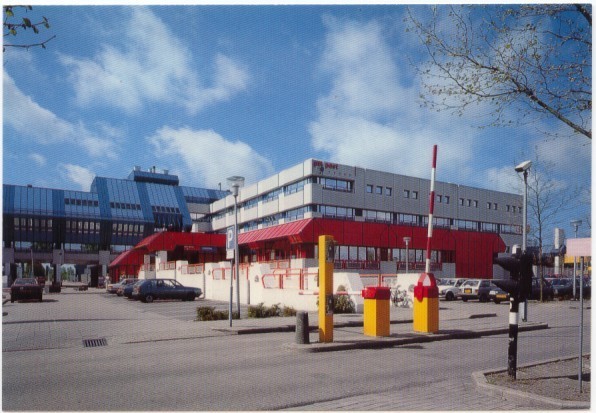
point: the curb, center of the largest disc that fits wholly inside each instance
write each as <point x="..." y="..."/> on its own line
<point x="290" y="328"/>
<point x="410" y="338"/>
<point x="514" y="395"/>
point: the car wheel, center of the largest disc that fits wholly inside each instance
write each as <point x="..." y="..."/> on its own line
<point x="191" y="297"/>
<point x="465" y="300"/>
<point x="497" y="301"/>
<point x="148" y="298"/>
<point x="449" y="296"/>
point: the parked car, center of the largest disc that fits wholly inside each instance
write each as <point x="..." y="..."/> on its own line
<point x="562" y="287"/>
<point x="449" y="287"/>
<point x="125" y="283"/>
<point x="163" y="288"/>
<point x="547" y="290"/>
<point x="497" y="295"/>
<point x="113" y="287"/>
<point x="127" y="291"/>
<point x="26" y="288"/>
<point x="475" y="290"/>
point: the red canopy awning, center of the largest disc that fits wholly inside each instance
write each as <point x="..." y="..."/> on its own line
<point x="292" y="230"/>
<point x="169" y="240"/>
<point x="129" y="257"/>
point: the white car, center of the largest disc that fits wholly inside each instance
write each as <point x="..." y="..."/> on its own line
<point x="449" y="287"/>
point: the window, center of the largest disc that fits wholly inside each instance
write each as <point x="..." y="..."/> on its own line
<point x="461" y="202"/>
<point x="439" y="198"/>
<point x="414" y="194"/>
<point x="446" y="199"/>
<point x="489" y="205"/>
<point x="475" y="204"/>
<point x="369" y="189"/>
<point x="388" y="191"/>
<point x="406" y="193"/>
<point x="379" y="190"/>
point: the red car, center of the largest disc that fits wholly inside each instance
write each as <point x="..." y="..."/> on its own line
<point x="25" y="288"/>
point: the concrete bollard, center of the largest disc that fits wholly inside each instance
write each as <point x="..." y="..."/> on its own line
<point x="302" y="330"/>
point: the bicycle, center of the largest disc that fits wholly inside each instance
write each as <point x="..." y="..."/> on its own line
<point x="400" y="298"/>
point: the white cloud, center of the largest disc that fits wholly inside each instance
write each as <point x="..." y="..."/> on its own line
<point x="137" y="71"/>
<point x="370" y="119"/>
<point x="32" y="121"/>
<point x="209" y="158"/>
<point x="40" y="160"/>
<point x="77" y="174"/>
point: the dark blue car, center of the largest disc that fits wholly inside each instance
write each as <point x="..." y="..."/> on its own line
<point x="164" y="289"/>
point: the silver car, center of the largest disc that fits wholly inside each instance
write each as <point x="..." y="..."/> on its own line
<point x="449" y="287"/>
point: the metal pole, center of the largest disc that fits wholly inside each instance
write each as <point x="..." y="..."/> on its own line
<point x="576" y="225"/>
<point x="525" y="217"/>
<point x="236" y="252"/>
<point x="513" y="328"/>
<point x="581" y="325"/>
<point x="407" y="257"/>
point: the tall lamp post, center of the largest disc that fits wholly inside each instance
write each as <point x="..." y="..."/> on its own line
<point x="407" y="241"/>
<point x="235" y="183"/>
<point x="576" y="224"/>
<point x="524" y="167"/>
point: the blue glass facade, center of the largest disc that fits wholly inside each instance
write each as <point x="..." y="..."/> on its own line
<point x="113" y="215"/>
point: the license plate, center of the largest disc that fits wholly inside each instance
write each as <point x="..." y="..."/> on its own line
<point x="502" y="296"/>
<point x="467" y="291"/>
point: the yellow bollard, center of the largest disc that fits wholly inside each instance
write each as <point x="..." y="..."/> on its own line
<point x="376" y="311"/>
<point x="326" y="258"/>
<point x="426" y="304"/>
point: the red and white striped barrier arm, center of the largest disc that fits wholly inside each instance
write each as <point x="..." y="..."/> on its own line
<point x="431" y="209"/>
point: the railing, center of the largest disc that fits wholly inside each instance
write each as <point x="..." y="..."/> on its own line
<point x="219" y="273"/>
<point x="419" y="266"/>
<point x="193" y="269"/>
<point x="170" y="265"/>
<point x="292" y="279"/>
<point x="148" y="267"/>
<point x="277" y="264"/>
<point x="356" y="265"/>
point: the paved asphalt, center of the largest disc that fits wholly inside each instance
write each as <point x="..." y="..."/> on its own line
<point x="120" y="321"/>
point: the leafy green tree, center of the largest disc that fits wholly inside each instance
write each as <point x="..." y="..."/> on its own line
<point x="534" y="58"/>
<point x="13" y="24"/>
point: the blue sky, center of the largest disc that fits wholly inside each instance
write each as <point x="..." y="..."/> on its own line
<point x="214" y="91"/>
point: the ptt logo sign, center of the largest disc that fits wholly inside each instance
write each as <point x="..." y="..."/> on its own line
<point x="323" y="165"/>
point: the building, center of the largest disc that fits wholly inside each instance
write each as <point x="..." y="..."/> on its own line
<point x="92" y="228"/>
<point x="369" y="213"/>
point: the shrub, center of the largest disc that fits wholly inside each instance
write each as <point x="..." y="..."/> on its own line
<point x="260" y="311"/>
<point x="342" y="304"/>
<point x="210" y="314"/>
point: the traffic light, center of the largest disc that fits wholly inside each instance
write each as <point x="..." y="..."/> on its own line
<point x="519" y="284"/>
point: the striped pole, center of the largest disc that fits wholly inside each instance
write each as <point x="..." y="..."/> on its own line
<point x="431" y="208"/>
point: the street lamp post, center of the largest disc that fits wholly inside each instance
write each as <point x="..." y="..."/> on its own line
<point x="524" y="167"/>
<point x="407" y="241"/>
<point x="235" y="183"/>
<point x="576" y="224"/>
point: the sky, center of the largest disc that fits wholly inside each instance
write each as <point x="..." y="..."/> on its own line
<point x="209" y="92"/>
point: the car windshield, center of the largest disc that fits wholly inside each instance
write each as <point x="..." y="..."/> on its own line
<point x="470" y="283"/>
<point x="23" y="281"/>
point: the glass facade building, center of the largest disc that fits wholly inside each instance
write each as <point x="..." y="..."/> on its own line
<point x="113" y="216"/>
